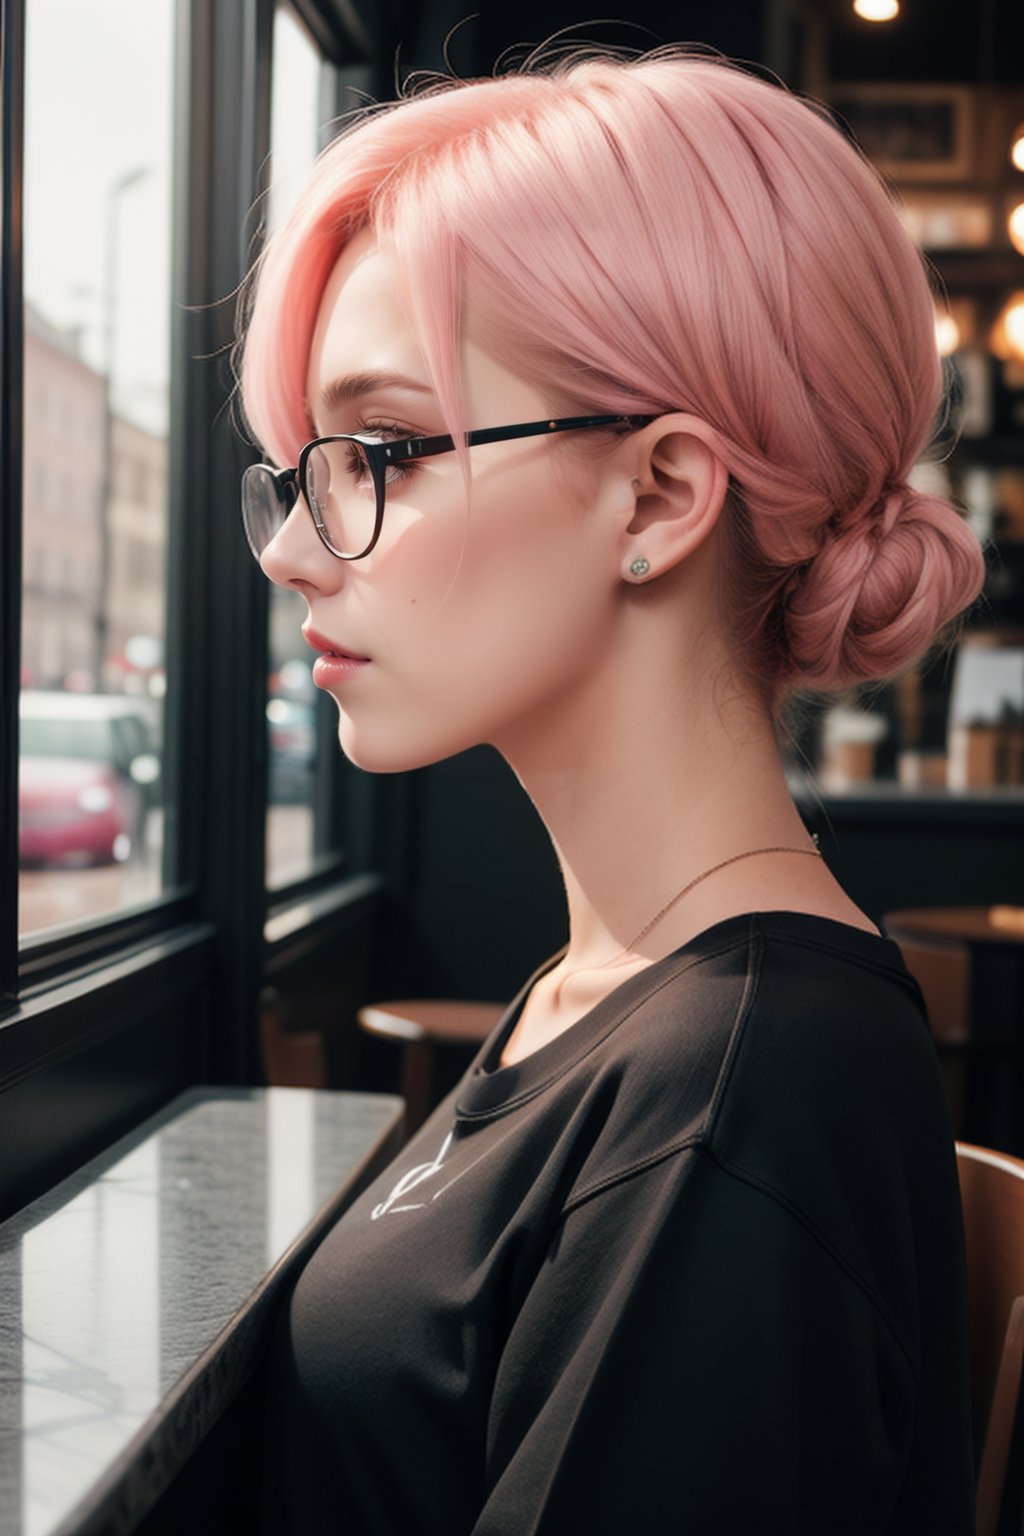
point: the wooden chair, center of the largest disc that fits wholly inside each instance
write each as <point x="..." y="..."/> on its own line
<point x="424" y="1029"/>
<point x="992" y="1193"/>
<point x="292" y="1058"/>
<point x="971" y="1012"/>
<point x="943" y="972"/>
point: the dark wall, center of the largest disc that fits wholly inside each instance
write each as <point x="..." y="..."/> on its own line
<point x="942" y="40"/>
<point x="485" y="903"/>
<point x="894" y="853"/>
<point x="485" y="31"/>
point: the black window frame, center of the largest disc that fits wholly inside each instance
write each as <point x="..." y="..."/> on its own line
<point x="68" y="1000"/>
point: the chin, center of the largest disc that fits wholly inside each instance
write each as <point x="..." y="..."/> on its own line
<point x="393" y="752"/>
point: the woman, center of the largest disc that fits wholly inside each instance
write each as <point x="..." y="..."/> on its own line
<point x="682" y="1251"/>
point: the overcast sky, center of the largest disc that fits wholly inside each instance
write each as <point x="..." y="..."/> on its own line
<point x="99" y="97"/>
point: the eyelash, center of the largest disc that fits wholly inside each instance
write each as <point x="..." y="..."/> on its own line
<point x="379" y="428"/>
<point x="384" y="429"/>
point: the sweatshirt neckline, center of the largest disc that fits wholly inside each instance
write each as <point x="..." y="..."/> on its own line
<point x="488" y="1087"/>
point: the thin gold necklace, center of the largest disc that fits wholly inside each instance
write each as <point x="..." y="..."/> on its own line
<point x="814" y="853"/>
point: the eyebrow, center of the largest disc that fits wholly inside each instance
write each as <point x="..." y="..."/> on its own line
<point x="351" y="385"/>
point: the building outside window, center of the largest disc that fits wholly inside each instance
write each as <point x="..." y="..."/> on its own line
<point x="97" y="322"/>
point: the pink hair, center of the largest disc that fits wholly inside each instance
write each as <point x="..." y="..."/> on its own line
<point x="668" y="233"/>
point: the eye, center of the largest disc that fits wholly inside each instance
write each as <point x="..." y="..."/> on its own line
<point x="395" y="433"/>
<point x="355" y="460"/>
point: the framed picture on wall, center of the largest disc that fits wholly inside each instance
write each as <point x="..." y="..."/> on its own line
<point x="911" y="132"/>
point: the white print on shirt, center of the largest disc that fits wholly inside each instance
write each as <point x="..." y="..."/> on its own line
<point x="409" y="1181"/>
<point x="417" y="1176"/>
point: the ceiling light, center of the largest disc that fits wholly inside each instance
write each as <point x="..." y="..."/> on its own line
<point x="1015" y="225"/>
<point x="1017" y="148"/>
<point x="947" y="335"/>
<point x="876" y="10"/>
<point x="1007" y="339"/>
<point x="1015" y="329"/>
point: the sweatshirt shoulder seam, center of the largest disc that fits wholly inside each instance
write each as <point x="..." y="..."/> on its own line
<point x="699" y="1143"/>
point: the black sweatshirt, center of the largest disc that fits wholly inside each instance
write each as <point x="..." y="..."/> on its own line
<point x="695" y="1266"/>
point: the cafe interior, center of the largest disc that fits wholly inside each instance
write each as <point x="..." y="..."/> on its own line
<point x="271" y="951"/>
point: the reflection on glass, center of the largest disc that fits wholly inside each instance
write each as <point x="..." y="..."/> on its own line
<point x="291" y="696"/>
<point x="138" y="1286"/>
<point x="92" y="1348"/>
<point x="98" y="137"/>
<point x="291" y="1166"/>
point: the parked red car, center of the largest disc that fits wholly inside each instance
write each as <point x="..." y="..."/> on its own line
<point x="85" y="762"/>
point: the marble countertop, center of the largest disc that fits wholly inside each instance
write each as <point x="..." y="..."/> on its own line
<point x="134" y="1296"/>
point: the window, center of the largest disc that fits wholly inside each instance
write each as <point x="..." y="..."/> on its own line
<point x="98" y="134"/>
<point x="139" y="976"/>
<point x="292" y="701"/>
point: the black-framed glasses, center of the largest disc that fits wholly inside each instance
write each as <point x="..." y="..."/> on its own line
<point x="344" y="479"/>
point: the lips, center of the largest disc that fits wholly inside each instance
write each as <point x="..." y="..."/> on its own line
<point x="326" y="647"/>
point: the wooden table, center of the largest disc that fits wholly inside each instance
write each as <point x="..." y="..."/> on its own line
<point x="424" y="1028"/>
<point x="998" y="925"/>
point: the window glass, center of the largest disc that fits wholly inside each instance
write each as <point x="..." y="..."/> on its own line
<point x="98" y="134"/>
<point x="291" y="696"/>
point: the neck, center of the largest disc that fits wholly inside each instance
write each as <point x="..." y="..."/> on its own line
<point x="648" y="777"/>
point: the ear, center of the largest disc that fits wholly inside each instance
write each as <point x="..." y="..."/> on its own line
<point x="678" y="487"/>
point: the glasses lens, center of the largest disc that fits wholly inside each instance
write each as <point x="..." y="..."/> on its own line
<point x="267" y="498"/>
<point x="342" y="495"/>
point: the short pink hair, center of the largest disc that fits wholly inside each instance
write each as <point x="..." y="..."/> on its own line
<point x="658" y="234"/>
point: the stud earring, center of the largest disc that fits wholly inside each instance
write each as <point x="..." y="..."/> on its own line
<point x="639" y="567"/>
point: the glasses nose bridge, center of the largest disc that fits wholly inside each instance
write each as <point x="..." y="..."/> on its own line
<point x="289" y="487"/>
<point x="289" y="493"/>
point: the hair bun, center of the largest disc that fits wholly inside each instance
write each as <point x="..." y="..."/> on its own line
<point x="881" y="587"/>
<point x="890" y="505"/>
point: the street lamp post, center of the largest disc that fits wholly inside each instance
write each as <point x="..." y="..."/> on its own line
<point x="102" y="625"/>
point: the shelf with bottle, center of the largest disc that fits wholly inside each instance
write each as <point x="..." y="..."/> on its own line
<point x="952" y="729"/>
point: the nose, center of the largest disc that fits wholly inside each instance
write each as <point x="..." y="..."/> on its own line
<point x="297" y="557"/>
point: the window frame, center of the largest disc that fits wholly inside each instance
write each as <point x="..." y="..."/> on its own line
<point x="12" y="91"/>
<point x="213" y="932"/>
